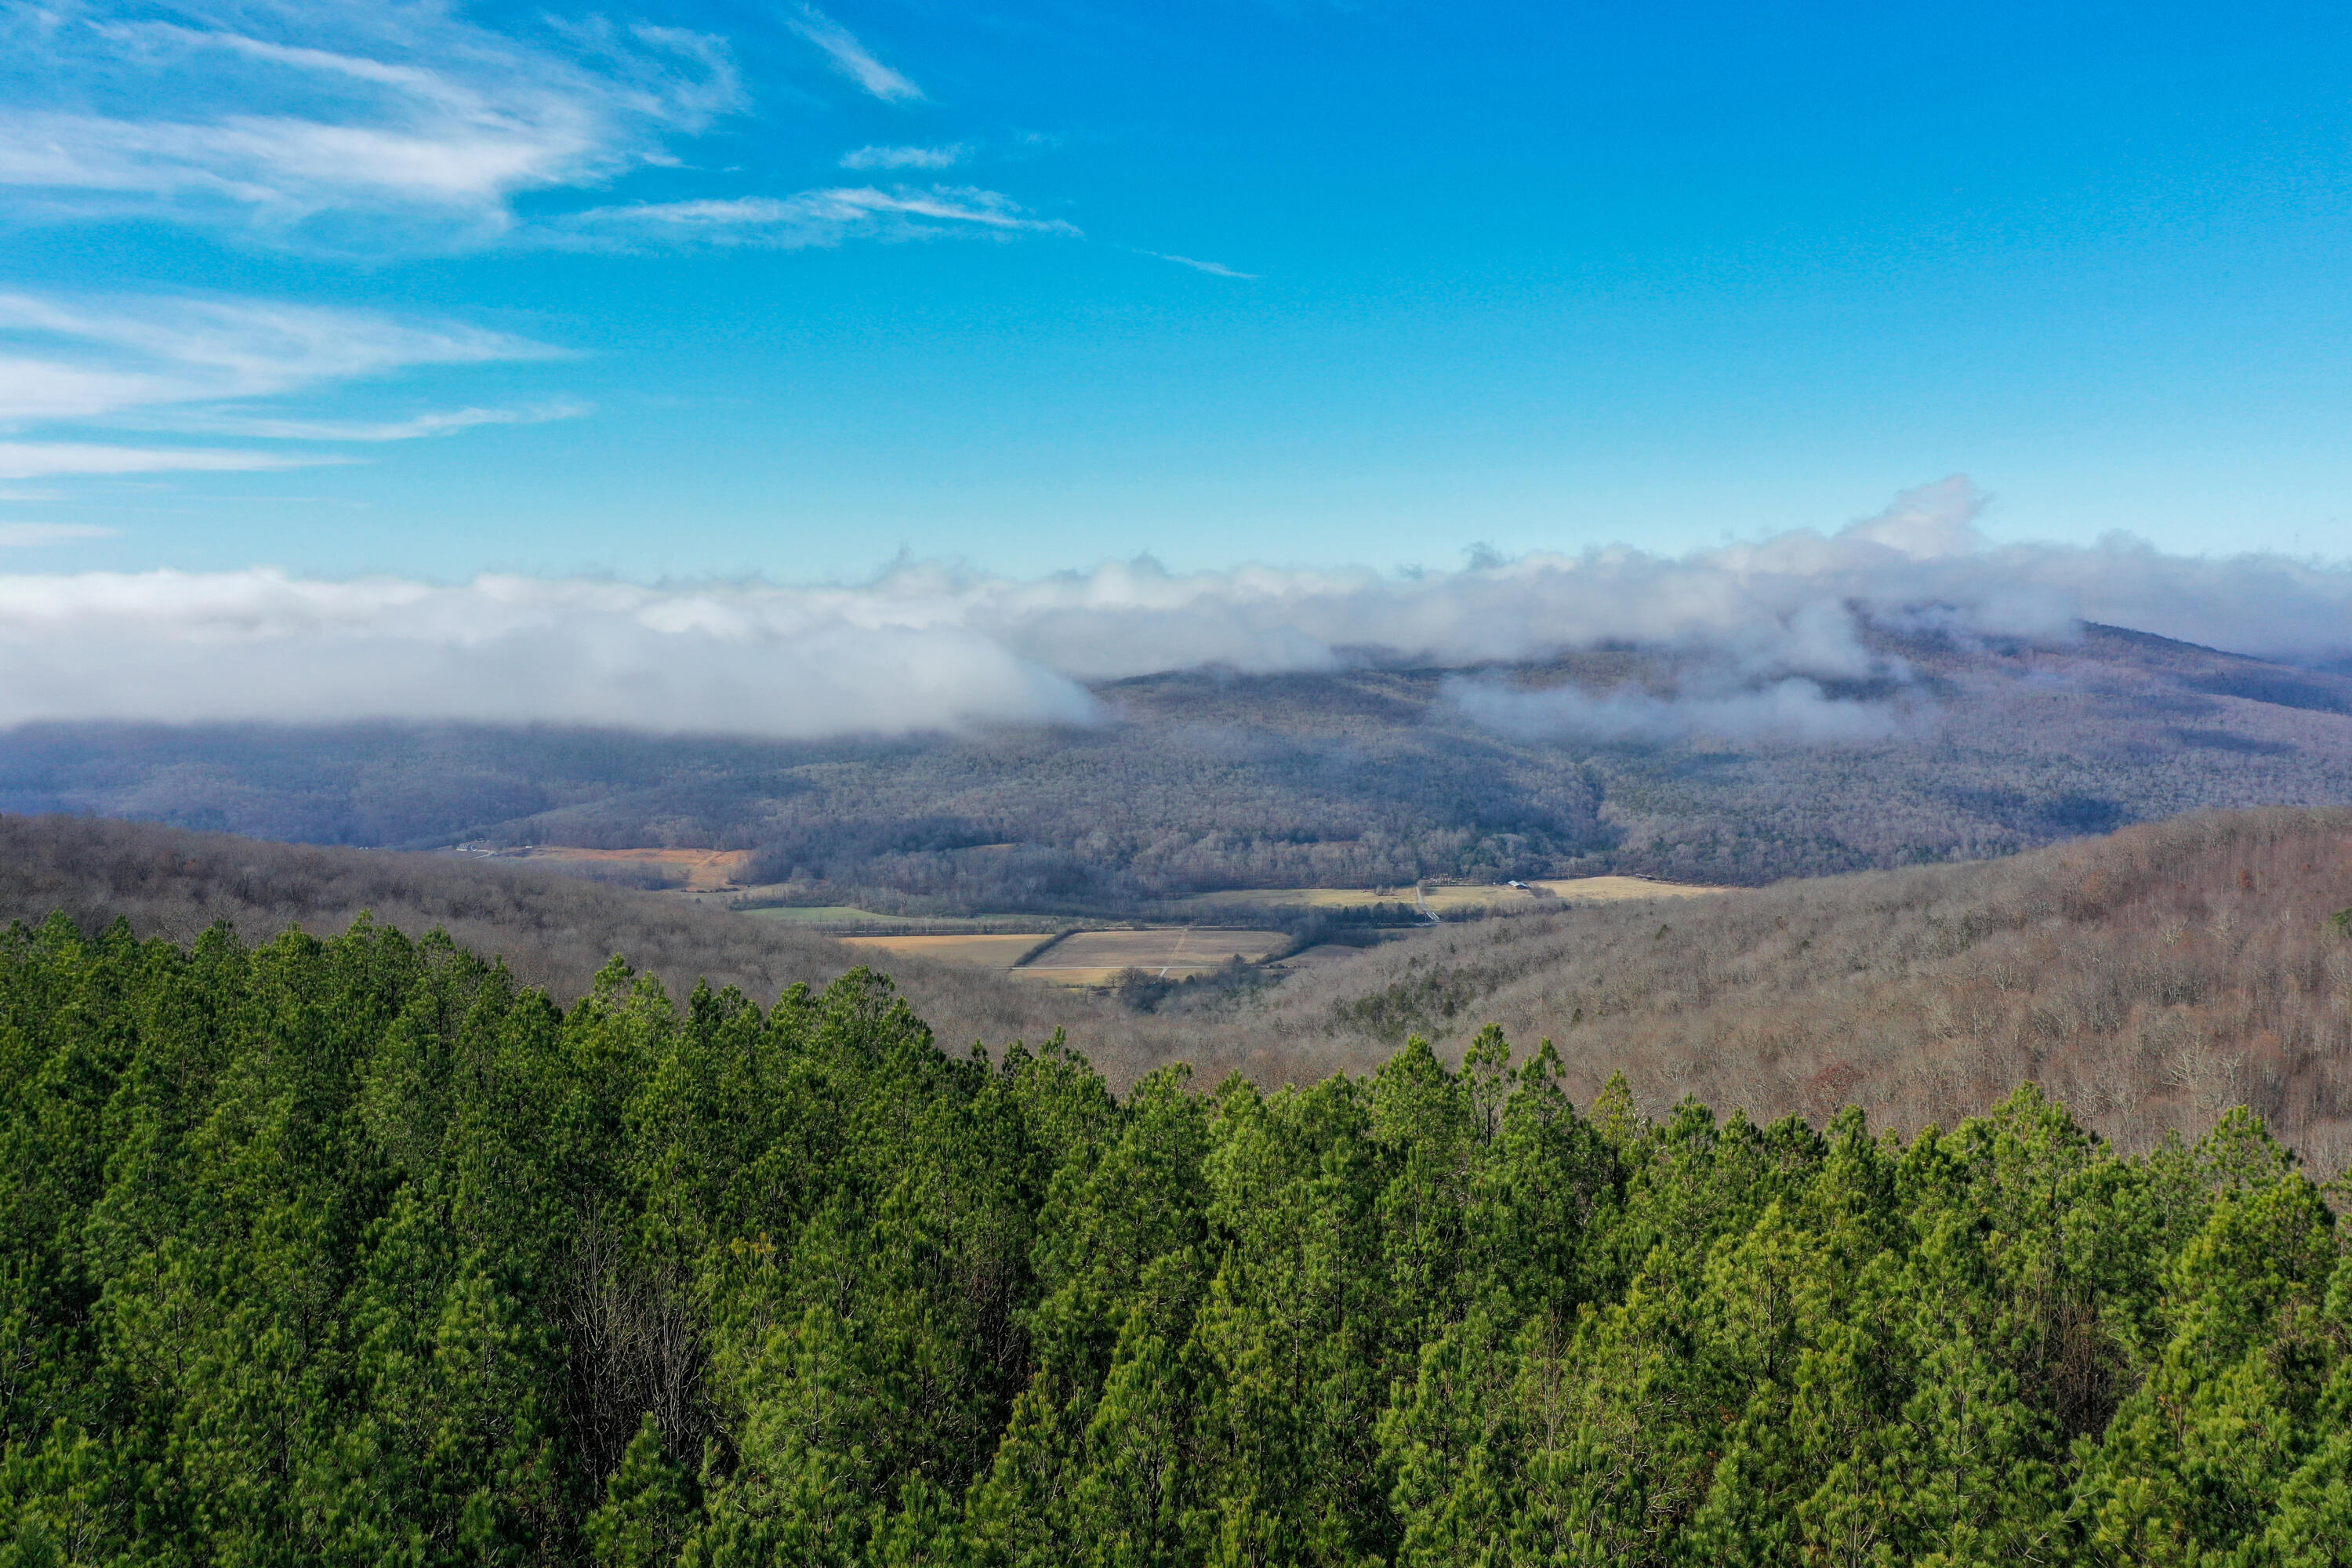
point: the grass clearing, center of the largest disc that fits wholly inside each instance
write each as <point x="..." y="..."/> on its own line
<point x="981" y="952"/>
<point x="1614" y="890"/>
<point x="1084" y="979"/>
<point x="1448" y="898"/>
<point x="704" y="870"/>
<point x="831" y="914"/>
<point x="1302" y="897"/>
<point x="1162" y="950"/>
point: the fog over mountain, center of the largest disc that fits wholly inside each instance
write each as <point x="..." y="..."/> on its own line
<point x="1755" y="630"/>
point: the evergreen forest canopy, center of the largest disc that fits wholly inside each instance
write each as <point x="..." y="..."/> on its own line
<point x="356" y="1251"/>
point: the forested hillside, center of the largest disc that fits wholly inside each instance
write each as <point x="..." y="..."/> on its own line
<point x="1356" y="777"/>
<point x="2152" y="977"/>
<point x="553" y="932"/>
<point x="355" y="1251"/>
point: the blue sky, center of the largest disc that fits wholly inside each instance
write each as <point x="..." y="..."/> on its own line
<point x="678" y="291"/>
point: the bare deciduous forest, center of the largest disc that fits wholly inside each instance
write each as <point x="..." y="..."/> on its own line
<point x="1363" y="777"/>
<point x="2151" y="977"/>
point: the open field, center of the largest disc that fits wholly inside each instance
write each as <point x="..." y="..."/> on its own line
<point x="1615" y="890"/>
<point x="1094" y="979"/>
<point x="704" y="870"/>
<point x="1446" y="899"/>
<point x="982" y="951"/>
<point x="1099" y="955"/>
<point x="830" y="914"/>
<point x="1304" y="897"/>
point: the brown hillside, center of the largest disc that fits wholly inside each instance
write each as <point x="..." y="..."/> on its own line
<point x="2151" y="978"/>
<point x="553" y="931"/>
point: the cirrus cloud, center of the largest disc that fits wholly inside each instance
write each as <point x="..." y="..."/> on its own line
<point x="905" y="157"/>
<point x="32" y="535"/>
<point x="850" y="58"/>
<point x="336" y="123"/>
<point x="43" y="459"/>
<point x="819" y="218"/>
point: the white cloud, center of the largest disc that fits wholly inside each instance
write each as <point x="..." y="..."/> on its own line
<point x="39" y="460"/>
<point x="1213" y="269"/>
<point x="194" y="365"/>
<point x="96" y="355"/>
<point x="906" y="157"/>
<point x="825" y="217"/>
<point x="850" y="58"/>
<point x="29" y="535"/>
<point x="1791" y="709"/>
<point x="445" y="423"/>
<point x="260" y="645"/>
<point x="1761" y="629"/>
<point x="344" y="123"/>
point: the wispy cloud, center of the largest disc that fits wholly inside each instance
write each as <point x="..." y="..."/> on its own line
<point x="946" y="157"/>
<point x="1213" y="269"/>
<point x="341" y="124"/>
<point x="77" y="356"/>
<point x="31" y="535"/>
<point x="823" y="217"/>
<point x="191" y="365"/>
<point x="850" y="58"/>
<point x="445" y="423"/>
<point x="42" y="459"/>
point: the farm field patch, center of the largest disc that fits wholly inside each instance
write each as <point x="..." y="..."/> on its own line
<point x="981" y="952"/>
<point x="1094" y="978"/>
<point x="1612" y="889"/>
<point x="831" y="914"/>
<point x="1452" y="898"/>
<point x="704" y="870"/>
<point x="1302" y="897"/>
<point x="1162" y="950"/>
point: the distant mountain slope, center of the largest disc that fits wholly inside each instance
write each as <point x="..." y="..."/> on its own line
<point x="1601" y="762"/>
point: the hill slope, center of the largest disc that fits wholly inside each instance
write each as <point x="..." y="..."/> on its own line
<point x="552" y="931"/>
<point x="1603" y="761"/>
<point x="2152" y="976"/>
<point x="348" y="1252"/>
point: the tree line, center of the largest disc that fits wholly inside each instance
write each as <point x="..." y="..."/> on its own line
<point x="355" y="1250"/>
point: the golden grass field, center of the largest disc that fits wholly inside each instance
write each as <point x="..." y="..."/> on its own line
<point x="1447" y="898"/>
<point x="982" y="951"/>
<point x="836" y="914"/>
<point x="1615" y="890"/>
<point x="707" y="870"/>
<point x="1090" y="958"/>
<point x="1162" y="950"/>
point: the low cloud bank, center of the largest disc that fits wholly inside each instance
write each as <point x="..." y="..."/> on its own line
<point x="174" y="647"/>
<point x="928" y="645"/>
<point x="1794" y="710"/>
